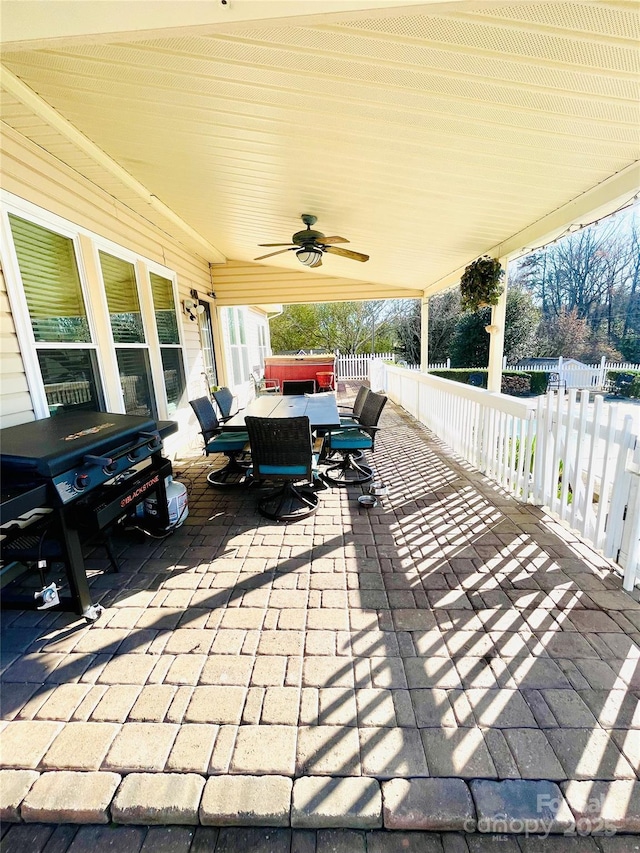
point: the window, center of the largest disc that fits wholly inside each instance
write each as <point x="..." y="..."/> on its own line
<point x="206" y="343"/>
<point x="128" y="335"/>
<point x="58" y="315"/>
<point x="170" y="350"/>
<point x="97" y="325"/>
<point x="237" y="345"/>
<point x="262" y="343"/>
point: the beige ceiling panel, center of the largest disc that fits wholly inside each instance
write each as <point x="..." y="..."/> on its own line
<point x="237" y="283"/>
<point x="425" y="135"/>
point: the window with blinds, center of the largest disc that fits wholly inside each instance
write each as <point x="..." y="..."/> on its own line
<point x="121" y="289"/>
<point x="164" y="307"/>
<point x="122" y="298"/>
<point x="51" y="283"/>
<point x="71" y="306"/>
<point x="55" y="301"/>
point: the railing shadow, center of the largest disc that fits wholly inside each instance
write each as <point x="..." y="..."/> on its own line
<point x="468" y="639"/>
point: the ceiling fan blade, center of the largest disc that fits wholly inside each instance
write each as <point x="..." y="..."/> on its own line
<point x="326" y="241"/>
<point x="273" y="244"/>
<point x="271" y="254"/>
<point x="347" y="253"/>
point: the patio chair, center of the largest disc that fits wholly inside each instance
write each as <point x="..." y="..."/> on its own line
<point x="224" y="401"/>
<point x="261" y="385"/>
<point x="350" y="416"/>
<point x="234" y="445"/>
<point x="350" y="440"/>
<point x="299" y="386"/>
<point x="283" y="451"/>
<point x="555" y="383"/>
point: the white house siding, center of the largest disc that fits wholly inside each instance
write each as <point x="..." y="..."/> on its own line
<point x="16" y="401"/>
<point x="31" y="174"/>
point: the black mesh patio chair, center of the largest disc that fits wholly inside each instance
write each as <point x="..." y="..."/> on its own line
<point x="283" y="451"/>
<point x="234" y="445"/>
<point x="299" y="386"/>
<point x="350" y="416"/>
<point x="351" y="440"/>
<point x="224" y="401"/>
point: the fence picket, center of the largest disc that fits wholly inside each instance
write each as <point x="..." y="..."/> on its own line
<point x="589" y="523"/>
<point x="521" y="449"/>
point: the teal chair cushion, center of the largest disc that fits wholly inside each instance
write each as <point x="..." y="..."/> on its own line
<point x="284" y="470"/>
<point x="227" y="442"/>
<point x="348" y="439"/>
<point x="287" y="470"/>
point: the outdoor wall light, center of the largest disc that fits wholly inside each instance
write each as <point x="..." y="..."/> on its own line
<point x="192" y="309"/>
<point x="309" y="257"/>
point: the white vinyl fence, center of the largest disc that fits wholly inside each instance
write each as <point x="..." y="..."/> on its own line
<point x="589" y="376"/>
<point x="356" y="367"/>
<point x="587" y="467"/>
<point x="579" y="459"/>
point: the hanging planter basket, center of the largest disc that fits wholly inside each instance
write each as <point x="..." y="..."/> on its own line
<point x="480" y="284"/>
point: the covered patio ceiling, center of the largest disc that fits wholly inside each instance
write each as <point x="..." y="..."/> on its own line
<point x="425" y="133"/>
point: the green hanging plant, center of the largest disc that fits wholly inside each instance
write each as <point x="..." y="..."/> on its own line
<point x="480" y="284"/>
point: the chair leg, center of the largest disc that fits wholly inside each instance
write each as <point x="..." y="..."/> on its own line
<point x="234" y="473"/>
<point x="288" y="503"/>
<point x="348" y="472"/>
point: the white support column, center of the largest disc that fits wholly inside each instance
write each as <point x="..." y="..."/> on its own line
<point x="496" y="335"/>
<point x="424" y="334"/>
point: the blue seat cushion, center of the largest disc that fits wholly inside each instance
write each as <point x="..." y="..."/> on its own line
<point x="348" y="439"/>
<point x="349" y="422"/>
<point x="287" y="470"/>
<point x="227" y="442"/>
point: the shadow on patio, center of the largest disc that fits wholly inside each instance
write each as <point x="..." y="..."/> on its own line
<point x="450" y="635"/>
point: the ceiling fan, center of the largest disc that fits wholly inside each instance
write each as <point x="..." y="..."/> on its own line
<point x="309" y="245"/>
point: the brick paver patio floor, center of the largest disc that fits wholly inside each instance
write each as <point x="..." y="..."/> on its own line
<point x="450" y="634"/>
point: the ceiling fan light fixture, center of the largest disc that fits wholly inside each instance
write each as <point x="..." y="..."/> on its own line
<point x="309" y="256"/>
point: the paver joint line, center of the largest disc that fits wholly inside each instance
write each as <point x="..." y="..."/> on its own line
<point x="444" y="661"/>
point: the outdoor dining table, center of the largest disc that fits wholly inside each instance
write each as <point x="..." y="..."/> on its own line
<point x="321" y="409"/>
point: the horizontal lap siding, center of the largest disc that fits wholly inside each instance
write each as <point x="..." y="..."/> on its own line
<point x="34" y="175"/>
<point x="15" y="399"/>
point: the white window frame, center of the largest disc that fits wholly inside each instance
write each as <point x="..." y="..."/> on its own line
<point x="29" y="347"/>
<point x="231" y="317"/>
<point x="86" y="244"/>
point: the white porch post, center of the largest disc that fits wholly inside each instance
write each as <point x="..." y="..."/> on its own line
<point x="496" y="335"/>
<point x="424" y="334"/>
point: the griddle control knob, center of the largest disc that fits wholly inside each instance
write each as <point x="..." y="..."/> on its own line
<point x="105" y="462"/>
<point x="153" y="440"/>
<point x="81" y="482"/>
